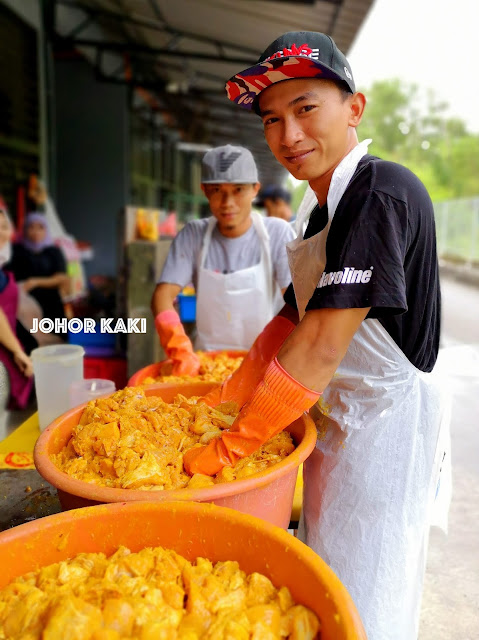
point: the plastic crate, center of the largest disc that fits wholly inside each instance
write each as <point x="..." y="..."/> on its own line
<point x="187" y="307"/>
<point x="97" y="339"/>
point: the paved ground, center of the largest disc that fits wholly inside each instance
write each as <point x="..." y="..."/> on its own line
<point x="450" y="607"/>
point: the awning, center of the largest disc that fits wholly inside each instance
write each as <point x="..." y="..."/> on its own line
<point x="183" y="51"/>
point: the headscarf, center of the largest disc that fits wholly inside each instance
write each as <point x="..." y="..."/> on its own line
<point x="47" y="241"/>
<point x="6" y="248"/>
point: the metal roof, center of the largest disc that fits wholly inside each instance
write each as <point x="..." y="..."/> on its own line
<point x="183" y="51"/>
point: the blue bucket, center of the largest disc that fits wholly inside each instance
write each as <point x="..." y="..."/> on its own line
<point x="187" y="307"/>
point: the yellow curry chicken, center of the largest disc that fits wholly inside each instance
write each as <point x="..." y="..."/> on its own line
<point x="213" y="368"/>
<point x="133" y="441"/>
<point x="154" y="594"/>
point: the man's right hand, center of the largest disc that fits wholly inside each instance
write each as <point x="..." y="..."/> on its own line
<point x="277" y="401"/>
<point x="176" y="344"/>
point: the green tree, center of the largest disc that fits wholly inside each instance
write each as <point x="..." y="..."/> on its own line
<point x="297" y="191"/>
<point x="410" y="126"/>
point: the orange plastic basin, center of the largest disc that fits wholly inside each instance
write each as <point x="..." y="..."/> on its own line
<point x="192" y="530"/>
<point x="154" y="370"/>
<point x="268" y="495"/>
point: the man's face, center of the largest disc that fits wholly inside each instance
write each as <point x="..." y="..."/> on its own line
<point x="231" y="206"/>
<point x="277" y="208"/>
<point x="307" y="125"/>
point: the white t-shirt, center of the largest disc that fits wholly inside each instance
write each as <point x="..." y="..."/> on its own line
<point x="226" y="255"/>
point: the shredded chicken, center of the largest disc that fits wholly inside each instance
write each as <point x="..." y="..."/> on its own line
<point x="149" y="595"/>
<point x="131" y="441"/>
<point x="213" y="368"/>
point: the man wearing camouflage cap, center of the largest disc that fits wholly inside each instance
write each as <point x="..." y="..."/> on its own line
<point x="364" y="313"/>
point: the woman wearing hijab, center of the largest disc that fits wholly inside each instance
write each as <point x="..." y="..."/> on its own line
<point x="39" y="267"/>
<point x="15" y="366"/>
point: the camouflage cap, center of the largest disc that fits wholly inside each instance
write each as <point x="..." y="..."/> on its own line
<point x="297" y="54"/>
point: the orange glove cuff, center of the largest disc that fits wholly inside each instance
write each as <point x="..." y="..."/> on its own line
<point x="176" y="343"/>
<point x="168" y="318"/>
<point x="280" y="387"/>
<point x="277" y="402"/>
<point x="269" y="341"/>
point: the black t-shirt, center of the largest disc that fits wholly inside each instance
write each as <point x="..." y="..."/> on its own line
<point x="381" y="253"/>
<point x="27" y="264"/>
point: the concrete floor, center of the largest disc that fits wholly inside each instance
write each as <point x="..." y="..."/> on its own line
<point x="450" y="607"/>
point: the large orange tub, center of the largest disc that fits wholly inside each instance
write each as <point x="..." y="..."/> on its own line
<point x="268" y="495"/>
<point x="192" y="530"/>
<point x="154" y="370"/>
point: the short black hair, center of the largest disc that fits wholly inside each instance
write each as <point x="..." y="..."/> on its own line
<point x="273" y="192"/>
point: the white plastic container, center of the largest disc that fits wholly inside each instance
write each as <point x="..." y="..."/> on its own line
<point x="85" y="390"/>
<point x="55" y="367"/>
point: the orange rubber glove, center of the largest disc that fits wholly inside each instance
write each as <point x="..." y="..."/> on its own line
<point x="277" y="401"/>
<point x="241" y="384"/>
<point x="176" y="344"/>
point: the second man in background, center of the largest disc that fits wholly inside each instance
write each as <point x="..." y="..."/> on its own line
<point x="235" y="259"/>
<point x="277" y="202"/>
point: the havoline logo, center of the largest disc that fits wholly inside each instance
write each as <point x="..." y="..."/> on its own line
<point x="348" y="275"/>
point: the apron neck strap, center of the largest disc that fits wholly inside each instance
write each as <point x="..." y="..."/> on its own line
<point x="343" y="173"/>
<point x="339" y="182"/>
<point x="263" y="235"/>
<point x="206" y="241"/>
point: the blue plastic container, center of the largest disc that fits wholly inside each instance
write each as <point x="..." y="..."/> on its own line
<point x="187" y="307"/>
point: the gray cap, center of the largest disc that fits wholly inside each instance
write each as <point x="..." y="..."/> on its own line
<point x="228" y="164"/>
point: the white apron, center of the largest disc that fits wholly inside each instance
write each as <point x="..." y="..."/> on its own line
<point x="232" y="309"/>
<point x="369" y="483"/>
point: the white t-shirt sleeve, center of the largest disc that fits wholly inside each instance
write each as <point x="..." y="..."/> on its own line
<point x="181" y="263"/>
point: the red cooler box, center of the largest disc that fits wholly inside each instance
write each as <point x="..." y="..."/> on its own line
<point x="111" y="368"/>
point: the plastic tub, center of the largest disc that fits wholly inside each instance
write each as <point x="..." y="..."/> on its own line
<point x="82" y="391"/>
<point x="268" y="495"/>
<point x="192" y="530"/>
<point x="154" y="370"/>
